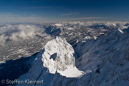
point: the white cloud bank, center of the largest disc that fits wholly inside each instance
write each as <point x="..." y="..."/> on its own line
<point x="25" y="31"/>
<point x="17" y="32"/>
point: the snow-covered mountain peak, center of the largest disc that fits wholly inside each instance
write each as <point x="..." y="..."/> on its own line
<point x="57" y="24"/>
<point x="59" y="56"/>
<point x="56" y="58"/>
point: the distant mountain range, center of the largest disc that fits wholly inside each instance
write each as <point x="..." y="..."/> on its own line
<point x="68" y="54"/>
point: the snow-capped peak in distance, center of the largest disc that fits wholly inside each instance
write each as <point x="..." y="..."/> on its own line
<point x="120" y="30"/>
<point x="58" y="24"/>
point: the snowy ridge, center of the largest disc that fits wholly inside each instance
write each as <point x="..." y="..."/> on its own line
<point x="108" y="54"/>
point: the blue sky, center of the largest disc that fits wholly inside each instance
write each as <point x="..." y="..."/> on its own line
<point x="63" y="10"/>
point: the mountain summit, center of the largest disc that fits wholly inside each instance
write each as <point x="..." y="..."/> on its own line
<point x="57" y="57"/>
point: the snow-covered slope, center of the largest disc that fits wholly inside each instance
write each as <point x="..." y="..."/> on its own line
<point x="56" y="57"/>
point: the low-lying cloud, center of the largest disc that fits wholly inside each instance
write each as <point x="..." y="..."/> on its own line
<point x="24" y="32"/>
<point x="17" y="32"/>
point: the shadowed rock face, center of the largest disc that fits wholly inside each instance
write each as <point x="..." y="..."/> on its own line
<point x="54" y="31"/>
<point x="12" y="69"/>
<point x="53" y="56"/>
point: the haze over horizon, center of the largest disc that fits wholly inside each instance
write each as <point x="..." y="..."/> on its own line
<point x="63" y="10"/>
